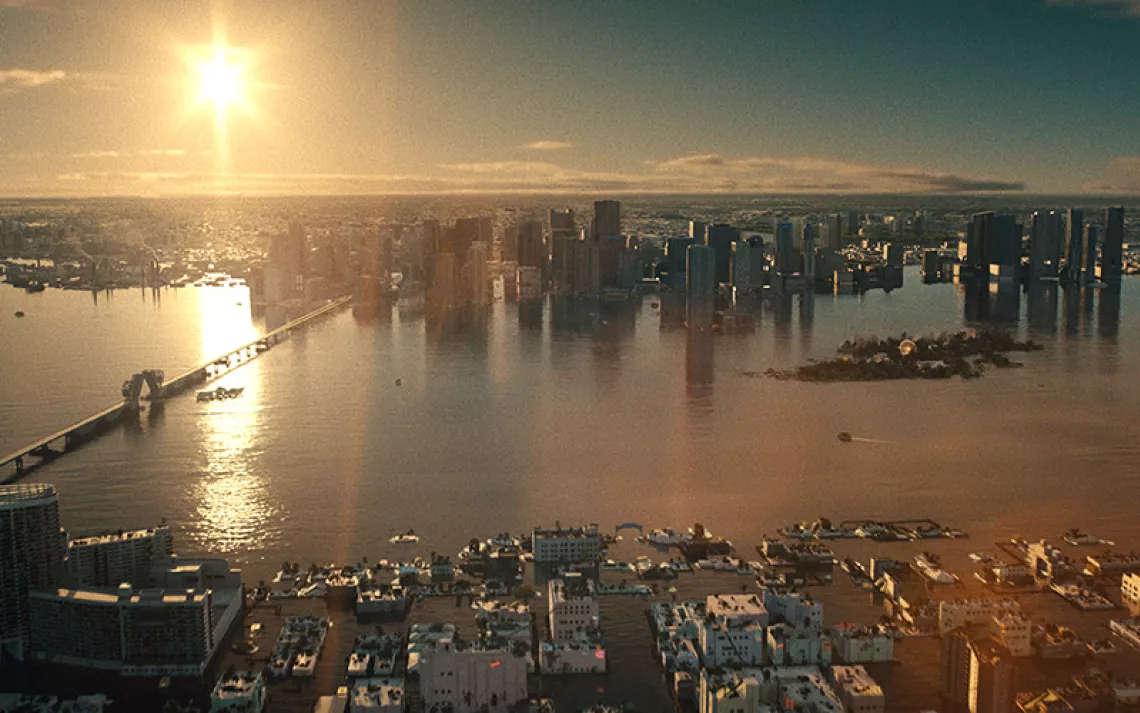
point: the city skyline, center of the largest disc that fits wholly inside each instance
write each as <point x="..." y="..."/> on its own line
<point x="390" y="98"/>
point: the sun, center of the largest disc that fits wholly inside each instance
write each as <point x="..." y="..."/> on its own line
<point x="221" y="78"/>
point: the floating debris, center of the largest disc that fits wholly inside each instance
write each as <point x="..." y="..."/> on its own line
<point x="19" y="313"/>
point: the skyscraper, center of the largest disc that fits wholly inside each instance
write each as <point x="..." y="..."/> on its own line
<point x="834" y="237"/>
<point x="701" y="271"/>
<point x="289" y="251"/>
<point x="852" y="222"/>
<point x="808" y="246"/>
<point x="1111" y="251"/>
<point x="698" y="231"/>
<point x="562" y="224"/>
<point x="787" y="259"/>
<point x="607" y="219"/>
<point x="31" y="557"/>
<point x="1045" y="244"/>
<point x="974" y="251"/>
<point x="531" y="245"/>
<point x="721" y="236"/>
<point x="977" y="672"/>
<point x="1074" y="243"/>
<point x="1088" y="262"/>
<point x="1005" y="248"/>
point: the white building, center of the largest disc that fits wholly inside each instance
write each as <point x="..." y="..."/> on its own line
<point x="788" y="645"/>
<point x="961" y="612"/>
<point x="857" y="690"/>
<point x="243" y="692"/>
<point x="1130" y="587"/>
<point x="793" y="607"/>
<point x="379" y="695"/>
<point x="573" y="607"/>
<point x="563" y="657"/>
<point x="111" y="559"/>
<point x="1013" y="630"/>
<point x="733" y="630"/>
<point x="574" y="544"/>
<point x="728" y="691"/>
<point x="855" y="643"/>
<point x="471" y="677"/>
<point x="809" y="692"/>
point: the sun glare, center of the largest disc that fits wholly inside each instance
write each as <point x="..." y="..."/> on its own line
<point x="220" y="81"/>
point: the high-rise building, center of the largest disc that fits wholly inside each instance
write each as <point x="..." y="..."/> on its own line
<point x="834" y="237"/>
<point x="1005" y="247"/>
<point x="562" y="224"/>
<point x="479" y="278"/>
<point x="1111" y="251"/>
<point x="807" y="244"/>
<point x="977" y="672"/>
<point x="720" y="238"/>
<point x="114" y="558"/>
<point x="747" y="265"/>
<point x="289" y="251"/>
<point x="31" y="558"/>
<point x="700" y="271"/>
<point x="1045" y="238"/>
<point x="974" y="251"/>
<point x="1074" y="243"/>
<point x="698" y="231"/>
<point x="1088" y="261"/>
<point x="787" y="258"/>
<point x="675" y="256"/>
<point x="852" y="226"/>
<point x="531" y="245"/>
<point x="607" y="219"/>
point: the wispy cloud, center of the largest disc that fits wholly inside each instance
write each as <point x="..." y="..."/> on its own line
<point x="549" y="145"/>
<point x="1123" y="7"/>
<point x="96" y="154"/>
<point x="12" y="80"/>
<point x="162" y="152"/>
<point x="1122" y="177"/>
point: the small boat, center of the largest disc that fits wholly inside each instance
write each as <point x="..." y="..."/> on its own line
<point x="1076" y="538"/>
<point x="220" y="394"/>
<point x="929" y="565"/>
<point x="407" y="538"/>
<point x="844" y="437"/>
<point x="665" y="536"/>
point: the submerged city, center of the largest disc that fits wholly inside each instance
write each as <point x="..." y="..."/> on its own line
<point x="520" y="622"/>
<point x="440" y="356"/>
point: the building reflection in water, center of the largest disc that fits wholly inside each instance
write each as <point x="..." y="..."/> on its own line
<point x="1072" y="297"/>
<point x="1108" y="311"/>
<point x="807" y="317"/>
<point x="1041" y="307"/>
<point x="699" y="356"/>
<point x="1005" y="308"/>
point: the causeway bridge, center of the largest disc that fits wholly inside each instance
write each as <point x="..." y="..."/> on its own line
<point x="20" y="463"/>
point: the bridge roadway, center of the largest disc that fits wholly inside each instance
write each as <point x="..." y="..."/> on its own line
<point x="14" y="466"/>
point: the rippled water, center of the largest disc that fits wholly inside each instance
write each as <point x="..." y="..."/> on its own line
<point x="573" y="413"/>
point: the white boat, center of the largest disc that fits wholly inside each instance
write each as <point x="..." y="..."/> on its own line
<point x="927" y="564"/>
<point x="407" y="538"/>
<point x="642" y="564"/>
<point x="981" y="557"/>
<point x="1076" y="538"/>
<point x="665" y="536"/>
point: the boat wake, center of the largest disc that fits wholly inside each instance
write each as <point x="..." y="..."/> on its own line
<point x="857" y="439"/>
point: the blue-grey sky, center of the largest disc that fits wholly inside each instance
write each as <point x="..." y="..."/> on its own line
<point x="105" y="97"/>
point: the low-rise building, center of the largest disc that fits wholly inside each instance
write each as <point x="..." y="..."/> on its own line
<point x="470" y="678"/>
<point x="1046" y="561"/>
<point x="1012" y="629"/>
<point x="1111" y="563"/>
<point x="1127" y="629"/>
<point x="568" y="657"/>
<point x="811" y="693"/>
<point x="732" y="630"/>
<point x="795" y="608"/>
<point x="572" y="607"/>
<point x="1130" y="587"/>
<point x="857" y="690"/>
<point x="376" y="695"/>
<point x="243" y="692"/>
<point x="855" y="643"/>
<point x="954" y="614"/>
<point x="789" y="645"/>
<point x="728" y="691"/>
<point x="572" y="544"/>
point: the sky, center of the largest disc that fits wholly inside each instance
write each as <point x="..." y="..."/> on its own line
<point x="105" y="97"/>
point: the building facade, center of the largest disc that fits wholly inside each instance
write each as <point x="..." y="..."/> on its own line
<point x="471" y="678"/>
<point x="573" y="610"/>
<point x="111" y="559"/>
<point x="31" y="558"/>
<point x="573" y="544"/>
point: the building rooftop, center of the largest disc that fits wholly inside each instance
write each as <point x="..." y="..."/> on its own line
<point x="22" y="494"/>
<point x="855" y="681"/>
<point x="564" y="533"/>
<point x="117" y="536"/>
<point x="239" y="686"/>
<point x="377" y="692"/>
<point x="735" y="606"/>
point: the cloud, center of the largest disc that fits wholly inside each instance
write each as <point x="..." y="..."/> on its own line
<point x="12" y="80"/>
<point x="549" y="145"/>
<point x="96" y="154"/>
<point x="1123" y="7"/>
<point x="820" y="174"/>
<point x="1122" y="178"/>
<point x="163" y="152"/>
<point x="507" y="167"/>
